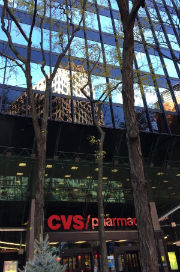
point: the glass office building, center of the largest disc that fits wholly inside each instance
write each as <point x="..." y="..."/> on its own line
<point x="71" y="170"/>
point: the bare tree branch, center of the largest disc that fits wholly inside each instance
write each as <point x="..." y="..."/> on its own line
<point x="15" y="20"/>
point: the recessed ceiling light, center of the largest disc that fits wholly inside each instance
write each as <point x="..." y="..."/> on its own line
<point x="127" y="179"/>
<point x="96" y="169"/>
<point x="57" y="189"/>
<point x="49" y="166"/>
<point x="119" y="185"/>
<point x="18" y="181"/>
<point x="178" y="175"/>
<point x="165" y="237"/>
<point x="80" y="242"/>
<point x="67" y="176"/>
<point x="104" y="178"/>
<point x="82" y="184"/>
<point x="165" y="181"/>
<point x="46" y="175"/>
<point x="53" y="243"/>
<point x="114" y="170"/>
<point x="120" y="241"/>
<point x="89" y="177"/>
<point x="154" y="187"/>
<point x="160" y="173"/>
<point x="74" y="168"/>
<point x="19" y="174"/>
<point x="76" y="190"/>
<point x="22" y="164"/>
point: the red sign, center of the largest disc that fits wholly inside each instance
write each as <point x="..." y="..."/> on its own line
<point x="77" y="222"/>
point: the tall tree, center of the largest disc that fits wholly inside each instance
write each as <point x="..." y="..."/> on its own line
<point x="148" y="252"/>
<point x="40" y="12"/>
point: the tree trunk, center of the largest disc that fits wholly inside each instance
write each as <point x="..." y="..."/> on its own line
<point x="41" y="138"/>
<point x="39" y="188"/>
<point x="100" y="159"/>
<point x="148" y="251"/>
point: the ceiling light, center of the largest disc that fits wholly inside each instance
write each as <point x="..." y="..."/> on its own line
<point x="19" y="174"/>
<point x="95" y="184"/>
<point x="74" y="168"/>
<point x="67" y="176"/>
<point x="108" y="241"/>
<point x="82" y="184"/>
<point x="119" y="185"/>
<point x="104" y="178"/>
<point x="96" y="169"/>
<point x="49" y="166"/>
<point x="10" y="243"/>
<point x="169" y="188"/>
<point x="127" y="179"/>
<point x="114" y="170"/>
<point x="165" y="181"/>
<point x="80" y="242"/>
<point x="18" y="181"/>
<point x="46" y="175"/>
<point x="22" y="164"/>
<point x="154" y="187"/>
<point x="53" y="243"/>
<point x="57" y="189"/>
<point x="121" y="241"/>
<point x="160" y="173"/>
<point x="178" y="175"/>
<point x="76" y="190"/>
<point x="89" y="177"/>
<point x="11" y="248"/>
<point x="165" y="237"/>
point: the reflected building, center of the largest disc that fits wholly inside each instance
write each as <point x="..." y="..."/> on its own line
<point x="63" y="99"/>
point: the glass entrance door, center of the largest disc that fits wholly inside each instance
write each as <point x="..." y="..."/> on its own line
<point x="127" y="260"/>
<point x="77" y="262"/>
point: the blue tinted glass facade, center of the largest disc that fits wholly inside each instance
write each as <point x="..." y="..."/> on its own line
<point x="100" y="39"/>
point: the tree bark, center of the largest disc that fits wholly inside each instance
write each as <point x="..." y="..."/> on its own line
<point x="100" y="159"/>
<point x="148" y="251"/>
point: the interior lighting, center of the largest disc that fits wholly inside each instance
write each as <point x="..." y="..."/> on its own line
<point x="12" y="244"/>
<point x="160" y="173"/>
<point x="108" y="241"/>
<point x="170" y="188"/>
<point x="22" y="164"/>
<point x="19" y="174"/>
<point x="53" y="243"/>
<point x="89" y="177"/>
<point x="121" y="241"/>
<point x="127" y="179"/>
<point x="178" y="175"/>
<point x="18" y="181"/>
<point x="57" y="189"/>
<point x="46" y="175"/>
<point x="95" y="184"/>
<point x="67" y="176"/>
<point x="11" y="248"/>
<point x="114" y="170"/>
<point x="82" y="184"/>
<point x="104" y="178"/>
<point x="74" y="168"/>
<point x="76" y="190"/>
<point x="165" y="237"/>
<point x="49" y="166"/>
<point x="80" y="242"/>
<point x="165" y="181"/>
<point x="154" y="187"/>
<point x="96" y="169"/>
